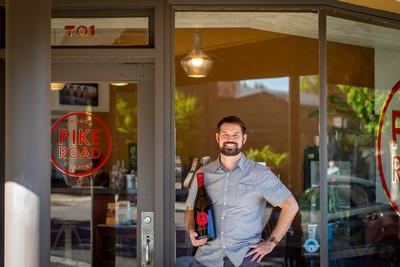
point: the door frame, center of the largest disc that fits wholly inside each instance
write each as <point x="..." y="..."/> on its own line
<point x="160" y="197"/>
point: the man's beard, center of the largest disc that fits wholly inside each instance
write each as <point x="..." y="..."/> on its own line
<point x="230" y="151"/>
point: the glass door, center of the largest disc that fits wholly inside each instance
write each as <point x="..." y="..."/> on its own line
<point x="265" y="71"/>
<point x="96" y="178"/>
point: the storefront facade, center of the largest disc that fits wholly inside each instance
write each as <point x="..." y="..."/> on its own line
<point x="316" y="83"/>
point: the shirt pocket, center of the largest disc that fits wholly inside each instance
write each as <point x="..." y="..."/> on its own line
<point x="242" y="193"/>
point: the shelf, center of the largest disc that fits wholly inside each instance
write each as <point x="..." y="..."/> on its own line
<point x="96" y="189"/>
<point x="108" y="190"/>
<point x="117" y="226"/>
<point x="183" y="191"/>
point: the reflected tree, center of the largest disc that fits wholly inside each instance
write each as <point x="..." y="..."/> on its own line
<point x="309" y="84"/>
<point x="126" y="117"/>
<point x="357" y="128"/>
<point x="186" y="114"/>
<point x="266" y="154"/>
<point x="361" y="101"/>
<point x="357" y="106"/>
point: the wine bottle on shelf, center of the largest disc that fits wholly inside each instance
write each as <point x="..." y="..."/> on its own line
<point x="189" y="177"/>
<point x="203" y="216"/>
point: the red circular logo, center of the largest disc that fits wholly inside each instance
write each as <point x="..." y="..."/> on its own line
<point x="388" y="150"/>
<point x="81" y="144"/>
<point x="202" y="218"/>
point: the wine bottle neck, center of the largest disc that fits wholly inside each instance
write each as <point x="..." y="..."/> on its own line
<point x="200" y="179"/>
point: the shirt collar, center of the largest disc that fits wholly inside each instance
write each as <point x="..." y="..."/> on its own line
<point x="241" y="163"/>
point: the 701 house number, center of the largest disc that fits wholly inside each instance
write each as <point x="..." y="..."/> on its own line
<point x="80" y="31"/>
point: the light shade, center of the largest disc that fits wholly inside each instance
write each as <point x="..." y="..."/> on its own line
<point x="119" y="84"/>
<point x="197" y="64"/>
<point x="57" y="86"/>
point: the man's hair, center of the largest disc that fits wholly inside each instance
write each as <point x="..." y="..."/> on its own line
<point x="234" y="120"/>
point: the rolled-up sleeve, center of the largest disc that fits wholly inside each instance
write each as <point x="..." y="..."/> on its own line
<point x="192" y="194"/>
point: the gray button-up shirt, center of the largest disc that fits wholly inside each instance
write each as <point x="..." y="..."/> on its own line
<point x="239" y="199"/>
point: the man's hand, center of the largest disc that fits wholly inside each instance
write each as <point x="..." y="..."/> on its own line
<point x="260" y="250"/>
<point x="189" y="221"/>
<point x="289" y="208"/>
<point x="196" y="242"/>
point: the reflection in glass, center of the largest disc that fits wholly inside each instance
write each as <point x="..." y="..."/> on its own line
<point x="363" y="227"/>
<point x="265" y="72"/>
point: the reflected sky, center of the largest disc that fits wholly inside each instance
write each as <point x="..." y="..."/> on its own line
<point x="280" y="84"/>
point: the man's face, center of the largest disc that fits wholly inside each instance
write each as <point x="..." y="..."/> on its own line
<point x="230" y="139"/>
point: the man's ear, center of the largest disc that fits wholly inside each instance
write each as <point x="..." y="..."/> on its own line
<point x="244" y="138"/>
<point x="217" y="137"/>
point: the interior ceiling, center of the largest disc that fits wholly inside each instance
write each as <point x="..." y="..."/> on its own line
<point x="260" y="26"/>
<point x="385" y="5"/>
<point x="224" y="29"/>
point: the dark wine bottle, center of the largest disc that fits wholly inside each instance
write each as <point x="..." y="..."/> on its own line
<point x="203" y="217"/>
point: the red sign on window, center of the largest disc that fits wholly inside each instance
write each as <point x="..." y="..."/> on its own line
<point x="81" y="144"/>
<point x="387" y="147"/>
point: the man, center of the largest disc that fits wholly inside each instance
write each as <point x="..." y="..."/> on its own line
<point x="332" y="168"/>
<point x="239" y="189"/>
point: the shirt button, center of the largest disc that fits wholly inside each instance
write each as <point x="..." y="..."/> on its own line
<point x="224" y="204"/>
<point x="223" y="247"/>
<point x="222" y="233"/>
<point x="222" y="217"/>
<point x="227" y="174"/>
<point x="226" y="189"/>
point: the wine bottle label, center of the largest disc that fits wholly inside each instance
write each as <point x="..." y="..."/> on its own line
<point x="210" y="225"/>
<point x="202" y="218"/>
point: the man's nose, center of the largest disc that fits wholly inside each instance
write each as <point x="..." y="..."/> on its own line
<point x="231" y="138"/>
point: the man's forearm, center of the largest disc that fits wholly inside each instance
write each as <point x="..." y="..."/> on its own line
<point x="289" y="209"/>
<point x="189" y="219"/>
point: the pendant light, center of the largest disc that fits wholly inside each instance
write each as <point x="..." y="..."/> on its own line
<point x="197" y="64"/>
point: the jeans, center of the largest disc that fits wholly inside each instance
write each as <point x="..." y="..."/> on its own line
<point x="227" y="263"/>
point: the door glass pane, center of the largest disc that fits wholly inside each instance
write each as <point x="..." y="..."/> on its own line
<point x="93" y="178"/>
<point x="363" y="67"/>
<point x="265" y="71"/>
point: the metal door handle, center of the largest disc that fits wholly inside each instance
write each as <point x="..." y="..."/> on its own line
<point x="147" y="244"/>
<point x="148" y="251"/>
